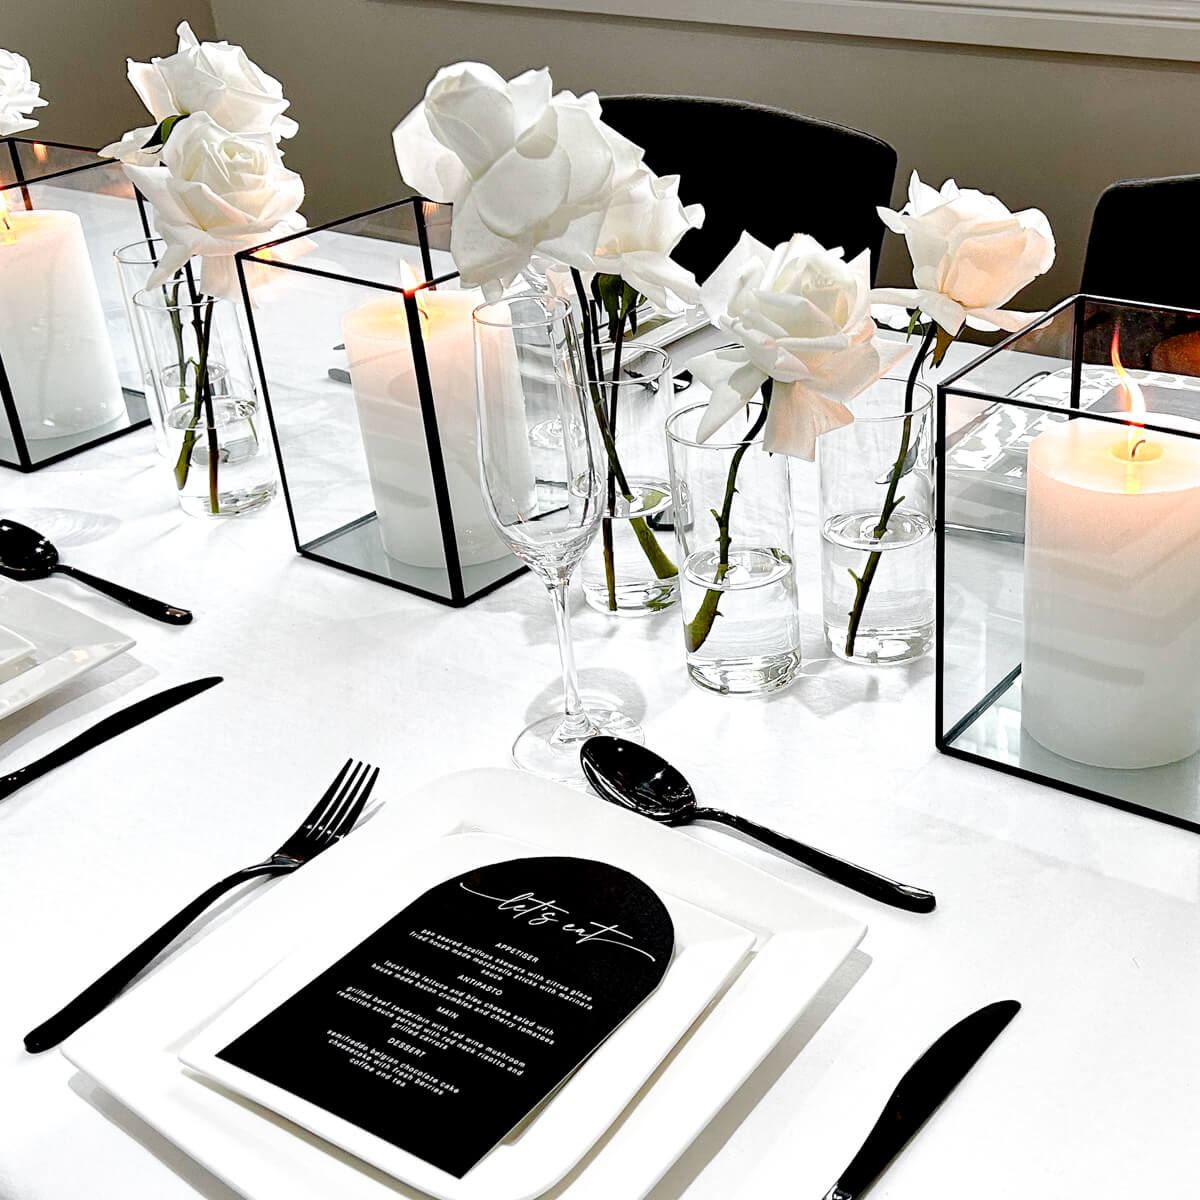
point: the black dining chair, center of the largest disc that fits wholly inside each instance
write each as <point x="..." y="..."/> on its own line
<point x="812" y="176"/>
<point x="1143" y="246"/>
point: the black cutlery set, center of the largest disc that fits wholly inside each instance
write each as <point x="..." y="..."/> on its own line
<point x="621" y="772"/>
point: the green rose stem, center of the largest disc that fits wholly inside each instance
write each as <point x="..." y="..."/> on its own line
<point x="661" y="564"/>
<point x="700" y="626"/>
<point x="203" y="400"/>
<point x="862" y="583"/>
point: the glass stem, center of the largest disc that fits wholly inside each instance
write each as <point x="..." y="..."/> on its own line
<point x="575" y="720"/>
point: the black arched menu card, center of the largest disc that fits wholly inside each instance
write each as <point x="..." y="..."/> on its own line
<point x="450" y="1023"/>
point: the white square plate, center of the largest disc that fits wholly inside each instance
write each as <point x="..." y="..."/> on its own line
<point x="13" y="647"/>
<point x="708" y="949"/>
<point x="65" y="643"/>
<point x="131" y="1050"/>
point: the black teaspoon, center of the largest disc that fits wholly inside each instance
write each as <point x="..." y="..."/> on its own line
<point x="638" y="779"/>
<point x="25" y="554"/>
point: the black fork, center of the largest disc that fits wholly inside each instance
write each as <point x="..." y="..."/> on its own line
<point x="330" y="821"/>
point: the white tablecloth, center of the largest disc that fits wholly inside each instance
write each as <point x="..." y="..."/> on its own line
<point x="1085" y="914"/>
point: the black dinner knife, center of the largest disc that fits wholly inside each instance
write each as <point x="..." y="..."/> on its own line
<point x="923" y="1087"/>
<point x="119" y="722"/>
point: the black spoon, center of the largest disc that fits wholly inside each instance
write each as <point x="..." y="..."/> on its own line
<point x="25" y="554"/>
<point x="638" y="779"/>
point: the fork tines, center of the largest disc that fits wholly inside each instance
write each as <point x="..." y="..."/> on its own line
<point x="334" y="814"/>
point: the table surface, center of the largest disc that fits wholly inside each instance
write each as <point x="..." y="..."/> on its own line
<point x="1086" y="914"/>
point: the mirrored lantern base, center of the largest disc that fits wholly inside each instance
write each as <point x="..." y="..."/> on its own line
<point x="42" y="452"/>
<point x="550" y="747"/>
<point x="992" y="733"/>
<point x="358" y="547"/>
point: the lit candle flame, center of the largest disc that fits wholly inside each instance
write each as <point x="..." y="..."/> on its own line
<point x="411" y="284"/>
<point x="40" y="152"/>
<point x="1136" y="436"/>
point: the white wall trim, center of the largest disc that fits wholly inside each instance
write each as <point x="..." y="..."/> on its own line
<point x="1162" y="29"/>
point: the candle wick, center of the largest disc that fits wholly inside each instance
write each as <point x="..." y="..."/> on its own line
<point x="1136" y="447"/>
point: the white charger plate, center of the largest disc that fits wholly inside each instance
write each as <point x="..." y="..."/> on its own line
<point x="65" y="644"/>
<point x="708" y="949"/>
<point x="131" y="1050"/>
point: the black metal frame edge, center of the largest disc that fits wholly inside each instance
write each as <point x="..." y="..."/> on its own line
<point x="25" y="463"/>
<point x="458" y="597"/>
<point x="65" y="454"/>
<point x="942" y="741"/>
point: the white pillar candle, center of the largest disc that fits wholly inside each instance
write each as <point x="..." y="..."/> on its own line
<point x="393" y="431"/>
<point x="1111" y="670"/>
<point x="53" y="340"/>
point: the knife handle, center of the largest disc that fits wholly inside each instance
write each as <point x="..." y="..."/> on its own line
<point x="837" y="1193"/>
<point x="848" y="874"/>
<point x="146" y="605"/>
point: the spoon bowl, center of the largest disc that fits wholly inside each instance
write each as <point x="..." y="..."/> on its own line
<point x="25" y="553"/>
<point x="637" y="779"/>
<point x="644" y="782"/>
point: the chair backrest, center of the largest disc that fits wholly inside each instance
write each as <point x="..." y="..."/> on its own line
<point x="805" y="176"/>
<point x="1144" y="244"/>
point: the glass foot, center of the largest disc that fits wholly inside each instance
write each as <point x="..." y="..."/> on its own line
<point x="545" y="749"/>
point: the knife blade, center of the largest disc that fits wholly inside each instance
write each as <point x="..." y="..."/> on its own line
<point x="921" y="1089"/>
<point x="119" y="722"/>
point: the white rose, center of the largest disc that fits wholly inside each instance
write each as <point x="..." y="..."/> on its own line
<point x="216" y="193"/>
<point x="530" y="173"/>
<point x="203" y="77"/>
<point x="18" y="95"/>
<point x="800" y="315"/>
<point x="970" y="255"/>
<point x="641" y="229"/>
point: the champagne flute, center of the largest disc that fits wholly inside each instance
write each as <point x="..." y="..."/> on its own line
<point x="542" y="471"/>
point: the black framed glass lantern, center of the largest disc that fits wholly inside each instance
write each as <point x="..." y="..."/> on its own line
<point x="69" y="373"/>
<point x="363" y="337"/>
<point x="1068" y="556"/>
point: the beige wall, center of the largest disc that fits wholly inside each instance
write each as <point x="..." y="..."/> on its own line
<point x="77" y="51"/>
<point x="1039" y="129"/>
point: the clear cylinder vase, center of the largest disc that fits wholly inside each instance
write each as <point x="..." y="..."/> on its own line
<point x="629" y="570"/>
<point x="217" y="441"/>
<point x="876" y="515"/>
<point x="135" y="263"/>
<point x="733" y="533"/>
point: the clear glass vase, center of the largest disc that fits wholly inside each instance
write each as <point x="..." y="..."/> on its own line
<point x="733" y="534"/>
<point x="877" y="544"/>
<point x="135" y="263"/>
<point x="217" y="441"/>
<point x="629" y="569"/>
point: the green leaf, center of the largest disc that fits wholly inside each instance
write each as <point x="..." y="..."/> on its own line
<point x="944" y="342"/>
<point x="617" y="299"/>
<point x="163" y="131"/>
